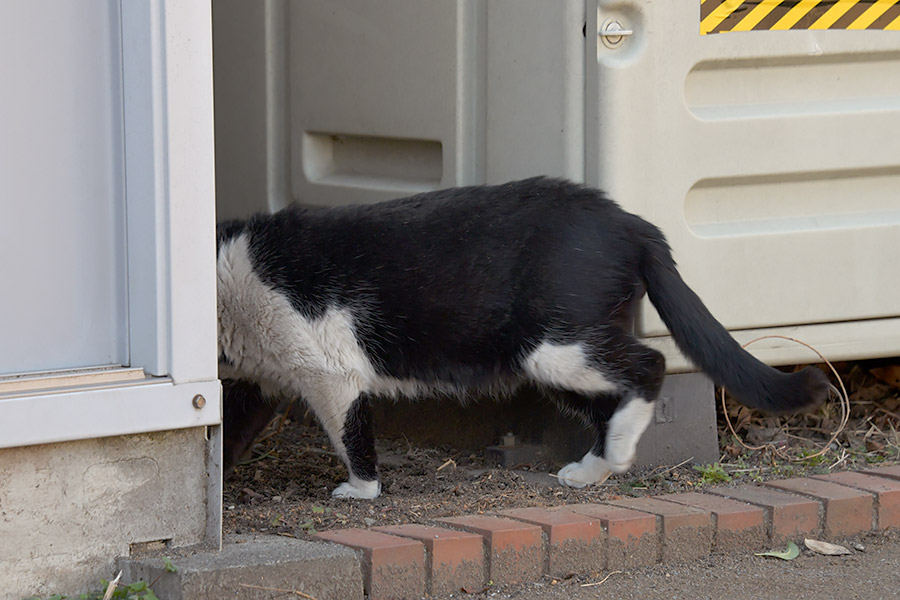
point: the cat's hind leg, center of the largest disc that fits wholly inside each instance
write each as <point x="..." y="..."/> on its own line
<point x="595" y="410"/>
<point x="612" y="382"/>
<point x="613" y="452"/>
<point x="639" y="372"/>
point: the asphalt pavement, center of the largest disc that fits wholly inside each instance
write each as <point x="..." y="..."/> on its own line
<point x="872" y="574"/>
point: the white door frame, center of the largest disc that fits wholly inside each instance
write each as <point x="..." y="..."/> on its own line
<point x="170" y="205"/>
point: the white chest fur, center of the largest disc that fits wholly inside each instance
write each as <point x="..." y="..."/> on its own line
<point x="268" y="341"/>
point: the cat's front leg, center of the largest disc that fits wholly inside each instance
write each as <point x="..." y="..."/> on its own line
<point x="246" y="412"/>
<point x="346" y="416"/>
<point x="358" y="488"/>
<point x="359" y="446"/>
<point x="589" y="470"/>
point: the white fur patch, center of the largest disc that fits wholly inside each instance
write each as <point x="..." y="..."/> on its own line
<point x="357" y="488"/>
<point x="590" y="469"/>
<point x="624" y="430"/>
<point x="269" y="342"/>
<point x="565" y="366"/>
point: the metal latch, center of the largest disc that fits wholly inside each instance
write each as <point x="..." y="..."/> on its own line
<point x="613" y="33"/>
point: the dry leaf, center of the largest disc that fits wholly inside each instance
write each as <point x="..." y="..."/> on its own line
<point x="789" y="553"/>
<point x="825" y="547"/>
<point x="890" y="375"/>
<point x="874" y="446"/>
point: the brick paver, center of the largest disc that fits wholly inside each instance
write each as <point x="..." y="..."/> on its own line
<point x="632" y="539"/>
<point x="514" y="548"/>
<point x="686" y="530"/>
<point x="737" y="526"/>
<point x="519" y="545"/>
<point x="886" y="492"/>
<point x="891" y="472"/>
<point x="847" y="511"/>
<point x="788" y="516"/>
<point x="574" y="542"/>
<point x="393" y="567"/>
<point x="454" y="559"/>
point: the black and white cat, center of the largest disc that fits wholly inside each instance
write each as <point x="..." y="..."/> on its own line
<point x="465" y="290"/>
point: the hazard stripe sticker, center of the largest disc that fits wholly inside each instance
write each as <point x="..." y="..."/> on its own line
<point x="725" y="16"/>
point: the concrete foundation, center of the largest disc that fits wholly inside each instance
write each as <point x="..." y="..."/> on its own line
<point x="685" y="423"/>
<point x="67" y="510"/>
<point x="684" y="426"/>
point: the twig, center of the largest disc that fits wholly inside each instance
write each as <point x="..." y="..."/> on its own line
<point x="873" y="427"/>
<point x="319" y="451"/>
<point x="561" y="479"/>
<point x="668" y="469"/>
<point x="448" y="462"/>
<point x="840" y="460"/>
<point x="256" y="459"/>
<point x="271" y="589"/>
<point x="842" y="396"/>
<point x="281" y="422"/>
<point x="112" y="586"/>
<point x="602" y="581"/>
<point x="888" y="412"/>
<point x="813" y="429"/>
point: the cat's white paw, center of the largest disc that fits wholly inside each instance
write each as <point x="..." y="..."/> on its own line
<point x="365" y="490"/>
<point x="572" y="475"/>
<point x="590" y="469"/>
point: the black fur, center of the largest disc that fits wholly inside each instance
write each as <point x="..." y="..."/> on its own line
<point x="360" y="441"/>
<point x="246" y="412"/>
<point x="458" y="281"/>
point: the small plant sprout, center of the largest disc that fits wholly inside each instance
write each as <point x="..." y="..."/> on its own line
<point x="712" y="473"/>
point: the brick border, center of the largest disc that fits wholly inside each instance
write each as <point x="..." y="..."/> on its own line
<point x="518" y="545"/>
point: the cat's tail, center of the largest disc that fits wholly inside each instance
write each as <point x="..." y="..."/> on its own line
<point x="710" y="347"/>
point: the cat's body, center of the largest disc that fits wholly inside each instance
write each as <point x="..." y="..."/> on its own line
<point x="465" y="290"/>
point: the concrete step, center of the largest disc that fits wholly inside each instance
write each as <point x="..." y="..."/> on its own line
<point x="251" y="567"/>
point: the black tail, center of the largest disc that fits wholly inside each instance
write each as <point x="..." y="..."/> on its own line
<point x="706" y="342"/>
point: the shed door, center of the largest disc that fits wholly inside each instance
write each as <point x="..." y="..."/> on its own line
<point x="771" y="159"/>
<point x="62" y="221"/>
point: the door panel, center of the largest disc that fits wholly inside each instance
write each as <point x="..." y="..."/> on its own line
<point x="61" y="186"/>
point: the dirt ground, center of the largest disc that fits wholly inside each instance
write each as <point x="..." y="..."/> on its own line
<point x="284" y="486"/>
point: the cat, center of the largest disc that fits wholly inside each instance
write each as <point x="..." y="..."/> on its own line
<point x="471" y="290"/>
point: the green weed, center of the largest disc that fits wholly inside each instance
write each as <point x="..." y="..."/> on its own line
<point x="139" y="590"/>
<point x="712" y="473"/>
<point x="808" y="458"/>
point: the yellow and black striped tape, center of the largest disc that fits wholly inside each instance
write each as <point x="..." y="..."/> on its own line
<point x="721" y="16"/>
